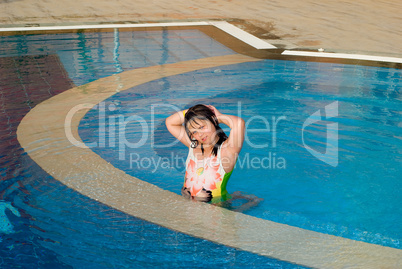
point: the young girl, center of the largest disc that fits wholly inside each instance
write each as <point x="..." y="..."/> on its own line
<point x="212" y="154"/>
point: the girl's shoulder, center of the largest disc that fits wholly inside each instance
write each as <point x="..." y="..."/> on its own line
<point x="228" y="157"/>
<point x="225" y="150"/>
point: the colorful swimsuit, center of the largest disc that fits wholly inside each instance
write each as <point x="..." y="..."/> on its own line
<point x="208" y="174"/>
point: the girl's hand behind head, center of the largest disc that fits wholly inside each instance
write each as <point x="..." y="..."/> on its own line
<point x="214" y="110"/>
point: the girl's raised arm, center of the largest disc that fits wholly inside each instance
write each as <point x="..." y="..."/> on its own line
<point x="174" y="124"/>
<point x="234" y="143"/>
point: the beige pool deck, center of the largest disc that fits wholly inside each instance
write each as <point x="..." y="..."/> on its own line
<point x="359" y="26"/>
<point x="364" y="27"/>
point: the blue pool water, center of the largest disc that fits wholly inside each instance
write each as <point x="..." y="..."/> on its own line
<point x="359" y="198"/>
<point x="43" y="223"/>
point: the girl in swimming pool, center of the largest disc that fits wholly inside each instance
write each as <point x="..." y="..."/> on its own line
<point x="212" y="154"/>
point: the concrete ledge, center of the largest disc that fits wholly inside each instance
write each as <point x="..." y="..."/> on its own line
<point x="42" y="134"/>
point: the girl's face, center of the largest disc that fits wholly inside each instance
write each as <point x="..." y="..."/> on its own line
<point x="203" y="131"/>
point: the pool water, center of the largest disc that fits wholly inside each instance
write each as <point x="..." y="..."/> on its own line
<point x="358" y="198"/>
<point x="43" y="223"/>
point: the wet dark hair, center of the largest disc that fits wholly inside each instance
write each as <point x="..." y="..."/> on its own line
<point x="202" y="112"/>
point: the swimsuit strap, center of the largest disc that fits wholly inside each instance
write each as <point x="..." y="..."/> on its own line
<point x="219" y="151"/>
<point x="190" y="155"/>
<point x="218" y="154"/>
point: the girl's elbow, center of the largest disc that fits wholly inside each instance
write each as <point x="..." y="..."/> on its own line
<point x="242" y="124"/>
<point x="168" y="120"/>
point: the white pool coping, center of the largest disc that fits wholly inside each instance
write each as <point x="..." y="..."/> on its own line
<point x="242" y="35"/>
<point x="223" y="25"/>
<point x="101" y="26"/>
<point x="343" y="56"/>
<point x="231" y="29"/>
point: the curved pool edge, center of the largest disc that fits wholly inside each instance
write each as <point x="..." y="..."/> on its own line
<point x="42" y="131"/>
